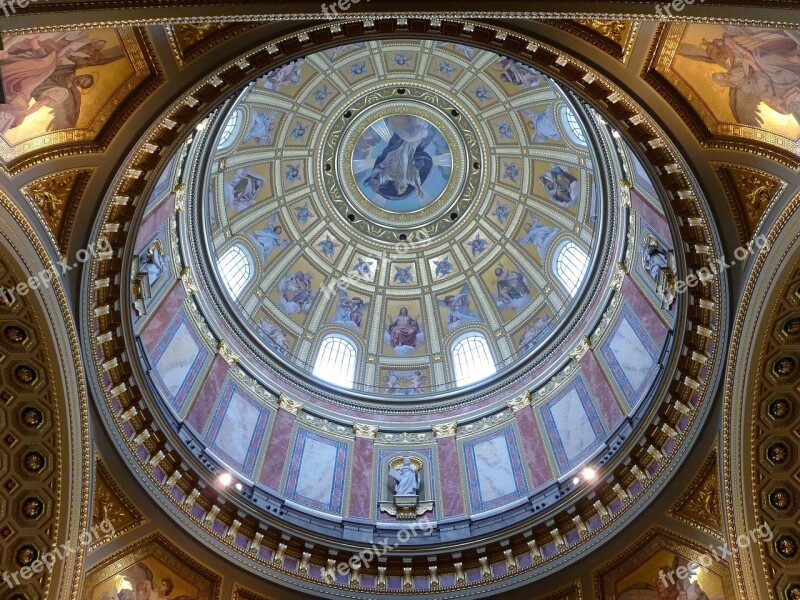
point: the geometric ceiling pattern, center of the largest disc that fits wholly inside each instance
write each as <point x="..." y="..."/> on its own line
<point x="402" y="183"/>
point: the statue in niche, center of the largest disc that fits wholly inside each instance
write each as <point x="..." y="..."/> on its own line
<point x="660" y="265"/>
<point x="407" y="478"/>
<point x="152" y="264"/>
<point x="405" y="484"/>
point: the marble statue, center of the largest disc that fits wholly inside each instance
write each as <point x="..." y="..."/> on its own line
<point x="407" y="479"/>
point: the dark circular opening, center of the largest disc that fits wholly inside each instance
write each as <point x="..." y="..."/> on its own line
<point x="453" y="216"/>
<point x="328" y="166"/>
<point x="402" y="237"/>
<point x="401" y="90"/>
<point x="351" y="217"/>
<point x="476" y="165"/>
<point x="348" y="114"/>
<point x="454" y="112"/>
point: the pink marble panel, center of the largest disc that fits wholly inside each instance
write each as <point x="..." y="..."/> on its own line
<point x="163" y="316"/>
<point x="601" y="392"/>
<point x="361" y="479"/>
<point x="654" y="219"/>
<point x="277" y="450"/>
<point x="644" y="311"/>
<point x="153" y="221"/>
<point x="450" y="474"/>
<point x="533" y="447"/>
<point x="208" y="395"/>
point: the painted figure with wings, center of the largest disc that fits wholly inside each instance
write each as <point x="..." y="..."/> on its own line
<point x="139" y="585"/>
<point x="668" y="586"/>
<point x="761" y="65"/>
<point x="459" y="311"/>
<point x="270" y="238"/>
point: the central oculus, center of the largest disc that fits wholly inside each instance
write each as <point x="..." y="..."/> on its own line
<point x="402" y="163"/>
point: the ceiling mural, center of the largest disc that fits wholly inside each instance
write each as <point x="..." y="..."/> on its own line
<point x="150" y="568"/>
<point x="743" y="82"/>
<point x="63" y="87"/>
<point x="477" y="125"/>
<point x="397" y="188"/>
<point x="664" y="565"/>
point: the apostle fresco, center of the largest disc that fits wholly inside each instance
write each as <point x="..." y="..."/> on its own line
<point x="512" y="290"/>
<point x="138" y="584"/>
<point x="761" y="65"/>
<point x="40" y="71"/>
<point x="562" y="186"/>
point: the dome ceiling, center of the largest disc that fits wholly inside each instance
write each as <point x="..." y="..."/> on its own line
<point x="357" y="191"/>
<point x="402" y="194"/>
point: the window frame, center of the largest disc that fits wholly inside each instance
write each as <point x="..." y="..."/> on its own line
<point x="459" y="378"/>
<point x="572" y="126"/>
<point x="224" y="269"/>
<point x="557" y="262"/>
<point x="323" y="371"/>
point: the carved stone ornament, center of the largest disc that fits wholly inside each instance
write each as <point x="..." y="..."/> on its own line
<point x="445" y="430"/>
<point x="365" y="431"/>
<point x="225" y="352"/>
<point x="404" y="472"/>
<point x="289" y="405"/>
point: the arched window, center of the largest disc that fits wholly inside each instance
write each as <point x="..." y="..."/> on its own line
<point x="229" y="132"/>
<point x="336" y="361"/>
<point x="571" y="264"/>
<point x="472" y="359"/>
<point x="236" y="269"/>
<point x="572" y="125"/>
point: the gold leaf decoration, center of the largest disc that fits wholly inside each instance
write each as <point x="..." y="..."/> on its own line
<point x="55" y="197"/>
<point x="752" y="191"/>
<point x="112" y="505"/>
<point x="699" y="505"/>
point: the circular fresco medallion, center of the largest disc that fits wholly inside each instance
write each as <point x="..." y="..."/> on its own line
<point x="402" y="163"/>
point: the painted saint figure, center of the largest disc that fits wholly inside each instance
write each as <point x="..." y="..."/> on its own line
<point x="404" y="164"/>
<point x="562" y="187"/>
<point x="403" y="330"/>
<point x="511" y="286"/>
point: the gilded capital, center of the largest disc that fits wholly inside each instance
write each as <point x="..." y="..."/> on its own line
<point x="520" y="402"/>
<point x="446" y="430"/>
<point x="582" y="348"/>
<point x="225" y="352"/>
<point x="289" y="405"/>
<point x="365" y="431"/>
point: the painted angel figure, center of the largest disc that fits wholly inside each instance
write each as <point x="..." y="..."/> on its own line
<point x="528" y="340"/>
<point x="459" y="311"/>
<point x="140" y="578"/>
<point x="285" y="75"/>
<point x="538" y="235"/>
<point x="761" y="65"/>
<point x="519" y="74"/>
<point x="269" y="238"/>
<point x="260" y="129"/>
<point x="275" y="335"/>
<point x="543" y="124"/>
<point x="350" y="311"/>
<point x="407" y="479"/>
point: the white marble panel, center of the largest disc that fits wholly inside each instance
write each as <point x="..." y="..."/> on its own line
<point x="493" y="464"/>
<point x="175" y="363"/>
<point x="631" y="354"/>
<point x="238" y="426"/>
<point x="572" y="424"/>
<point x="315" y="479"/>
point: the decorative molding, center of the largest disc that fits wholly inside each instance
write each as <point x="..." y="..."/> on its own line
<point x="365" y="431"/>
<point x="699" y="505"/>
<point x="446" y="430"/>
<point x="289" y="405"/>
<point x="111" y="503"/>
